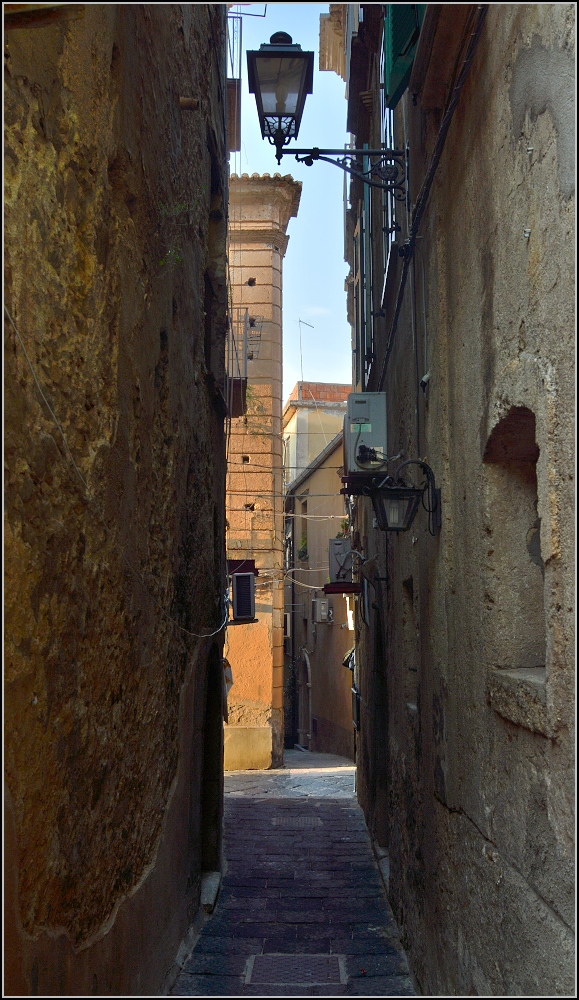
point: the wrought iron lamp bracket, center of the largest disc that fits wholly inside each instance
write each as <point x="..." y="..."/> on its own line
<point x="387" y="170"/>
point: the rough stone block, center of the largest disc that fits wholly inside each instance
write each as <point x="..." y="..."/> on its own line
<point x="247" y="748"/>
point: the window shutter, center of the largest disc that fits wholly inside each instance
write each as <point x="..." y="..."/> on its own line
<point x="243" y="596"/>
<point x="401" y="30"/>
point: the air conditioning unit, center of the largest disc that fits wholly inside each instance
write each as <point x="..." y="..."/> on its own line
<point x="319" y="610"/>
<point x="243" y="596"/>
<point x="340" y="555"/>
<point x="365" y="438"/>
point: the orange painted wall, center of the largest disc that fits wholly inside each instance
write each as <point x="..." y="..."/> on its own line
<point x="259" y="211"/>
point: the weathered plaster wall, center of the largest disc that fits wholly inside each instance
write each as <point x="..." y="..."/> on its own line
<point x="115" y="226"/>
<point x="477" y="672"/>
<point x="307" y="428"/>
<point x="260" y="210"/>
<point x="332" y="725"/>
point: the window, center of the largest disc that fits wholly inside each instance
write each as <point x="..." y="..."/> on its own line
<point x="389" y="225"/>
<point x="303" y="545"/>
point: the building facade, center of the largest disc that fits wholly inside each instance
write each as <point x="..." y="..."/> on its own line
<point x="319" y="628"/>
<point x="461" y="305"/>
<point x="116" y="299"/>
<point x="312" y="416"/>
<point x="260" y="210"/>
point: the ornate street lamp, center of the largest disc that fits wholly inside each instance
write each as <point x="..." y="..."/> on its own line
<point x="281" y="76"/>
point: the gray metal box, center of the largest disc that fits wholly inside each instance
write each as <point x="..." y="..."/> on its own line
<point x="365" y="432"/>
<point x="319" y="609"/>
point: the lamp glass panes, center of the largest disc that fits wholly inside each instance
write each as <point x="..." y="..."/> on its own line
<point x="280" y="82"/>
<point x="395" y="507"/>
<point x="280" y="75"/>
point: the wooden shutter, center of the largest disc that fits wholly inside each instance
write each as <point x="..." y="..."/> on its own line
<point x="401" y="30"/>
<point x="243" y="596"/>
<point x="359" y="339"/>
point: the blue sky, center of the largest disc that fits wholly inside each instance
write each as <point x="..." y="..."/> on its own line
<point x="314" y="268"/>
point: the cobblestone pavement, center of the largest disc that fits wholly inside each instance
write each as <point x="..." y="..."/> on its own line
<point x="302" y="909"/>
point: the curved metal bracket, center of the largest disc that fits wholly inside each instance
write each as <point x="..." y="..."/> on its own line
<point x="387" y="169"/>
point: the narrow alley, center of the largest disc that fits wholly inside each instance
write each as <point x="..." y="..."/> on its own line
<point x="302" y="909"/>
<point x="289" y="506"/>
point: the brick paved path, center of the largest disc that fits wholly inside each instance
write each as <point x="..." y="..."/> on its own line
<point x="302" y="910"/>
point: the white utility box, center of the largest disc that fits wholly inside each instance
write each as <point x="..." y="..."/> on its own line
<point x="319" y="610"/>
<point x="365" y="437"/>
<point x="340" y="553"/>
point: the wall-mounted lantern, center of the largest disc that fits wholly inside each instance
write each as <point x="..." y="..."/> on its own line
<point x="281" y="76"/>
<point x="395" y="501"/>
<point x="395" y="506"/>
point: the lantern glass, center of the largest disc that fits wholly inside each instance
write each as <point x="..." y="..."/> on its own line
<point x="396" y="511"/>
<point x="395" y="507"/>
<point x="280" y="83"/>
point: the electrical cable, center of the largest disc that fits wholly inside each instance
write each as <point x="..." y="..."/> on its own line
<point x="429" y="489"/>
<point x="241" y="493"/>
<point x="307" y="586"/>
<point x="305" y="517"/>
<point x="277" y="468"/>
<point x="415" y="347"/>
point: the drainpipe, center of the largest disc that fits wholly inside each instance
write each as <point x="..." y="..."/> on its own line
<point x="293" y="679"/>
<point x="309" y="686"/>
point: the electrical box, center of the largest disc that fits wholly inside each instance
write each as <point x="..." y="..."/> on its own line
<point x="243" y="596"/>
<point x="340" y="554"/>
<point x="319" y="610"/>
<point x="365" y="437"/>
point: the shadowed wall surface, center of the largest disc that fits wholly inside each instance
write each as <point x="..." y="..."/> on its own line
<point x="115" y="282"/>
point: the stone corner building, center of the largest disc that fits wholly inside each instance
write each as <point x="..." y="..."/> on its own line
<point x="463" y="316"/>
<point x="116" y="295"/>
<point x="260" y="211"/>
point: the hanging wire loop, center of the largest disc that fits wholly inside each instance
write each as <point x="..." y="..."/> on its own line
<point x="430" y="494"/>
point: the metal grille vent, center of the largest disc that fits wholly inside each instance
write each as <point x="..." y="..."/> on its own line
<point x="296" y="822"/>
<point x="299" y="970"/>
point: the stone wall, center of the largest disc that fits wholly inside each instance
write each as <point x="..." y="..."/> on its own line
<point x="466" y="671"/>
<point x="115" y="287"/>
